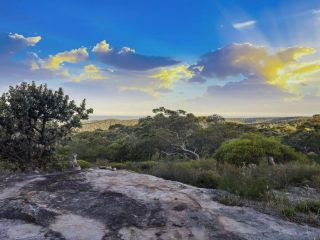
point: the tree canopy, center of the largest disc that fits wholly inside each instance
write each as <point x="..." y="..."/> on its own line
<point x="33" y="121"/>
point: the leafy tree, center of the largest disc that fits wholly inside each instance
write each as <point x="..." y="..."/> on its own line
<point x="207" y="140"/>
<point x="215" y="118"/>
<point x="88" y="145"/>
<point x="253" y="148"/>
<point x="173" y="130"/>
<point x="33" y="121"/>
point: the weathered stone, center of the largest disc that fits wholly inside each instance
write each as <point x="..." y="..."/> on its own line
<point x="101" y="204"/>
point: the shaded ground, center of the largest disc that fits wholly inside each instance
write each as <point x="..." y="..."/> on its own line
<point x="102" y="204"/>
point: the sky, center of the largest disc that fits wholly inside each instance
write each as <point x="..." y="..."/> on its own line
<point x="237" y="58"/>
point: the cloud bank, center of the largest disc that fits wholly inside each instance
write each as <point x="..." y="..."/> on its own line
<point x="283" y="68"/>
<point x="237" y="77"/>
<point x="127" y="58"/>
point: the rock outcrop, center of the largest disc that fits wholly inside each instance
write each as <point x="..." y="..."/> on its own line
<point x="100" y="204"/>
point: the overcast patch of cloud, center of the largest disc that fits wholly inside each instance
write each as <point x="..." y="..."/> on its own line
<point x="127" y="58"/>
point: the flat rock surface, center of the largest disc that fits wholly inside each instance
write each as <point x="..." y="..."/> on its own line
<point x="100" y="204"/>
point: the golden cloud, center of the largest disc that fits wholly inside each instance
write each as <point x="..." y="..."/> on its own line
<point x="54" y="62"/>
<point x="169" y="76"/>
<point x="284" y="68"/>
<point x="289" y="73"/>
<point x="164" y="79"/>
<point x="90" y="72"/>
<point x="102" y="47"/>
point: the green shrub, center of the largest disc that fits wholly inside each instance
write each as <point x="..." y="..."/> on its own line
<point x="84" y="164"/>
<point x="179" y="171"/>
<point x="254" y="149"/>
<point x="243" y="183"/>
<point x="309" y="206"/>
<point x="120" y="165"/>
<point x="292" y="174"/>
<point x="288" y="212"/>
<point x="230" y="200"/>
<point x="144" y="166"/>
<point x="248" y="182"/>
<point x="198" y="173"/>
<point x="208" y="179"/>
<point x="252" y="183"/>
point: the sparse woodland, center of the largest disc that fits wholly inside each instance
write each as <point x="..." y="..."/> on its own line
<point x="38" y="130"/>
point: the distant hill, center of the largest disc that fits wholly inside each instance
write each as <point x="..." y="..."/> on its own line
<point x="105" y="124"/>
<point x="93" y="125"/>
<point x="260" y="120"/>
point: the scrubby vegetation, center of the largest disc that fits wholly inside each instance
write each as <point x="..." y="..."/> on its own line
<point x="211" y="152"/>
<point x="253" y="182"/>
<point x="36" y="127"/>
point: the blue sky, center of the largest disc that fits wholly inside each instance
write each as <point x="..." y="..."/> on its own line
<point x="236" y="58"/>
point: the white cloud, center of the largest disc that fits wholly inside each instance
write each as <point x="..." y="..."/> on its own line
<point x="242" y="25"/>
<point x="315" y="11"/>
<point x="125" y="50"/>
<point x="28" y="41"/>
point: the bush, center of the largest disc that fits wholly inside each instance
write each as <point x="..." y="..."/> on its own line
<point x="255" y="149"/>
<point x="309" y="206"/>
<point x="198" y="173"/>
<point x="84" y="164"/>
<point x="230" y="200"/>
<point x="292" y="174"/>
<point x="245" y="183"/>
<point x="176" y="172"/>
<point x="120" y="165"/>
<point x="208" y="179"/>
<point x="134" y="166"/>
<point x="288" y="212"/>
<point x="201" y="174"/>
<point x="252" y="183"/>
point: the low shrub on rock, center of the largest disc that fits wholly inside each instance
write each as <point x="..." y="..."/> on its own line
<point x="84" y="164"/>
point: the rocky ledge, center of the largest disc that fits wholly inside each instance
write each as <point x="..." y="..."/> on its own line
<point x="101" y="204"/>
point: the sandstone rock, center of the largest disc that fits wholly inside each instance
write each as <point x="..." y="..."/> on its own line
<point x="99" y="204"/>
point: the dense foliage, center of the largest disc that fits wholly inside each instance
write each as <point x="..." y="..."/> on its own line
<point x="33" y="120"/>
<point x="168" y="134"/>
<point x="307" y="137"/>
<point x="255" y="149"/>
<point x="174" y="135"/>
